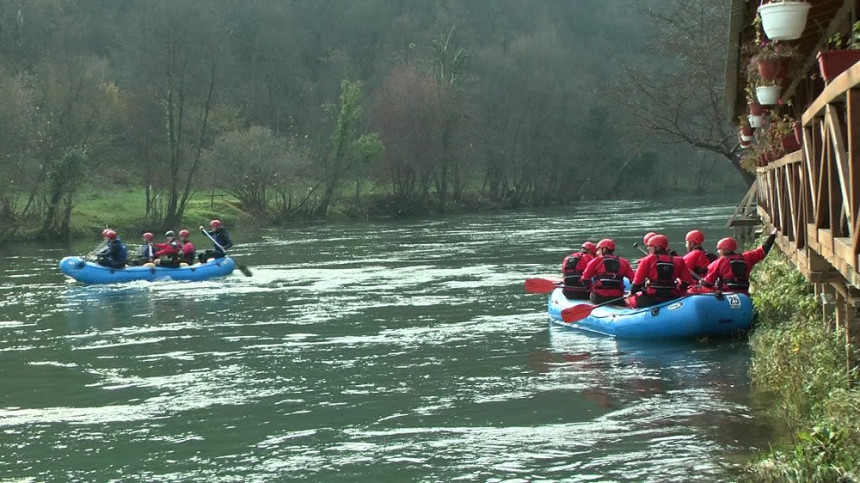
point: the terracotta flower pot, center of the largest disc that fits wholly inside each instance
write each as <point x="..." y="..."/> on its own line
<point x="772" y="69"/>
<point x="756" y="109"/>
<point x="798" y="132"/>
<point x="789" y="143"/>
<point x="746" y="130"/>
<point x="834" y="62"/>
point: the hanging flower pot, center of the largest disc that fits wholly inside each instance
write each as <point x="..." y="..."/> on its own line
<point x="755" y="121"/>
<point x="746" y="132"/>
<point x="744" y="144"/>
<point x="784" y="20"/>
<point x="756" y="109"/>
<point x="831" y="63"/>
<point x="772" y="69"/>
<point x="767" y="95"/>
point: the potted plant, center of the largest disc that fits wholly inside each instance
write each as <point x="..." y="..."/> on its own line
<point x="756" y="111"/>
<point x="746" y="131"/>
<point x="784" y="19"/>
<point x="768" y="62"/>
<point x="844" y="52"/>
<point x="779" y="138"/>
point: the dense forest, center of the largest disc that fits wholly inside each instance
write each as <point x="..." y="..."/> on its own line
<point x="303" y="110"/>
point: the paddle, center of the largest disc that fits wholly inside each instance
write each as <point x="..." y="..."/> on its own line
<point x="542" y="285"/>
<point x="581" y="311"/>
<point x="96" y="249"/>
<point x="242" y="268"/>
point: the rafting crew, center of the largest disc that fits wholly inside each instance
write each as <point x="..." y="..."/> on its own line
<point x="660" y="276"/>
<point x="604" y="276"/>
<point x="114" y="252"/>
<point x="220" y="241"/>
<point x="572" y="267"/>
<point x="731" y="271"/>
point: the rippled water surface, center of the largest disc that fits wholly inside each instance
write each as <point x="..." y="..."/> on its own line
<point x="401" y="351"/>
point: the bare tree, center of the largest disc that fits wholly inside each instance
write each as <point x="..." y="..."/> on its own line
<point x="677" y="97"/>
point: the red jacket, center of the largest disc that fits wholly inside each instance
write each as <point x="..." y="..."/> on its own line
<point x="167" y="249"/>
<point x="666" y="286"/>
<point x="697" y="261"/>
<point x="731" y="273"/>
<point x="573" y="281"/>
<point x="605" y="277"/>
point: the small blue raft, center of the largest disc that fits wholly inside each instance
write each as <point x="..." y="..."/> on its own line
<point x="687" y="317"/>
<point x="89" y="272"/>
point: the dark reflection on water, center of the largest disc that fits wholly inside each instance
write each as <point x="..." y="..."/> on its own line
<point x="385" y="351"/>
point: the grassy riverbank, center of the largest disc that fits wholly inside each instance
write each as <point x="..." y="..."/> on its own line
<point x="125" y="211"/>
<point x="799" y="364"/>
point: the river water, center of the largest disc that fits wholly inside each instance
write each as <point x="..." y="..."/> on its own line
<point x="391" y="351"/>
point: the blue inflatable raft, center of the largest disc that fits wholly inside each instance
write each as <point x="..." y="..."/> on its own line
<point x="89" y="272"/>
<point x="687" y="317"/>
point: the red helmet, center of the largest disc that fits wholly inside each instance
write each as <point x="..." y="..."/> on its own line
<point x="184" y="233"/>
<point x="658" y="241"/>
<point x="607" y="243"/>
<point x="696" y="237"/>
<point x="589" y="246"/>
<point x="110" y="234"/>
<point x="148" y="236"/>
<point x="728" y="244"/>
<point x="648" y="237"/>
<point x="104" y="232"/>
<point x="215" y="224"/>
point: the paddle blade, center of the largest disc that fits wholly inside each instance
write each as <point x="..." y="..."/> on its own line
<point x="541" y="285"/>
<point x="577" y="312"/>
<point x="244" y="269"/>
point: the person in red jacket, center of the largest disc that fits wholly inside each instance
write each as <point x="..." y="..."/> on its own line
<point x="658" y="275"/>
<point x="572" y="267"/>
<point x="697" y="259"/>
<point x="731" y="272"/>
<point x="168" y="252"/>
<point x="188" y="251"/>
<point x="605" y="274"/>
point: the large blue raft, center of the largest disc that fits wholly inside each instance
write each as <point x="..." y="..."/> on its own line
<point x="89" y="272"/>
<point x="688" y="317"/>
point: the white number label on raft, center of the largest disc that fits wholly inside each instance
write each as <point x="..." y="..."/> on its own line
<point x="734" y="300"/>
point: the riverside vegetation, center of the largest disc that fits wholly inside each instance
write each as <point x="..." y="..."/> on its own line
<point x="799" y="364"/>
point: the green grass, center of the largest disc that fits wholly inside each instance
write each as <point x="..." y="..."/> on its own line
<point x="125" y="211"/>
<point x="799" y="365"/>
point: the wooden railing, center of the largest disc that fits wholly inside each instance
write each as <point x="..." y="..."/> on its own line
<point x="812" y="196"/>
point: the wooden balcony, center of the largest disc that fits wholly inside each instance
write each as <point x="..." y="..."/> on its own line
<point x="812" y="196"/>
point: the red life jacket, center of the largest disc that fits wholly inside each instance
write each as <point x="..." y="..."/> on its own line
<point x="609" y="281"/>
<point x="735" y="278"/>
<point x="572" y="268"/>
<point x="661" y="280"/>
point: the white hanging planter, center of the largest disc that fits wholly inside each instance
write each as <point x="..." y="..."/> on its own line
<point x="767" y="95"/>
<point x="755" y="121"/>
<point x="784" y="20"/>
